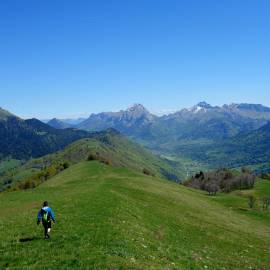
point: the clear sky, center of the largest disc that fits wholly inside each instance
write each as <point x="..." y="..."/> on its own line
<point x="66" y="57"/>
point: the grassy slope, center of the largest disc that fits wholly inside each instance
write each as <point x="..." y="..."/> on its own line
<point x="113" y="147"/>
<point x="246" y="149"/>
<point x="113" y="218"/>
<point x="238" y="201"/>
<point x="9" y="164"/>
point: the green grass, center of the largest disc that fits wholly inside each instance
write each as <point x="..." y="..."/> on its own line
<point x="114" y="218"/>
<point x="188" y="166"/>
<point x="9" y="164"/>
<point x="263" y="188"/>
<point x="238" y="201"/>
<point x="113" y="147"/>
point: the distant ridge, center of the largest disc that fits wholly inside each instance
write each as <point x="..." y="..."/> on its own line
<point x="56" y="123"/>
<point x="135" y="119"/>
<point x="24" y="139"/>
<point x="200" y="121"/>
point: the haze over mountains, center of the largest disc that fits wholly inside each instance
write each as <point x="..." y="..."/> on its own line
<point x="212" y="135"/>
<point x="200" y="121"/>
<point x="215" y="136"/>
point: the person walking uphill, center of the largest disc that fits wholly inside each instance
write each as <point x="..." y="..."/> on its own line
<point x="46" y="216"/>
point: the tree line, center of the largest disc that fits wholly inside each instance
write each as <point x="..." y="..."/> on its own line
<point x="223" y="180"/>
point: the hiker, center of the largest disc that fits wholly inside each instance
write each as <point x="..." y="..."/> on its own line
<point x="46" y="215"/>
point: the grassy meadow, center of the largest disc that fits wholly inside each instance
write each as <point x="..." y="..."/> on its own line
<point x="115" y="218"/>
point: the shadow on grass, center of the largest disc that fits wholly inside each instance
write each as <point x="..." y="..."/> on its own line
<point x="27" y="239"/>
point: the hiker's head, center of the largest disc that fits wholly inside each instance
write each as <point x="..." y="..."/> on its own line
<point x="45" y="204"/>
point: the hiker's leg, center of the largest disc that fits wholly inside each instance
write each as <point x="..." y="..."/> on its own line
<point x="49" y="226"/>
<point x="45" y="225"/>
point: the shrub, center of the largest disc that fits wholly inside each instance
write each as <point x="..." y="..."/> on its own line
<point x="265" y="176"/>
<point x="146" y="171"/>
<point x="29" y="183"/>
<point x="212" y="188"/>
<point x="66" y="165"/>
<point x="222" y="179"/>
<point x="266" y="202"/>
<point x="50" y="171"/>
<point x="246" y="170"/>
<point x="105" y="161"/>
<point x="92" y="157"/>
<point x="251" y="201"/>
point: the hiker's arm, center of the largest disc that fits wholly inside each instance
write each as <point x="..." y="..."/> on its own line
<point x="52" y="215"/>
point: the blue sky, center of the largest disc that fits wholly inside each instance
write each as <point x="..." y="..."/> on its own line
<point x="67" y="58"/>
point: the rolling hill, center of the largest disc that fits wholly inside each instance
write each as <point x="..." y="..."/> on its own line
<point x="114" y="218"/>
<point x="109" y="146"/>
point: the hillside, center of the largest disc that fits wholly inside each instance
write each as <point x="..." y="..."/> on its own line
<point x="246" y="149"/>
<point x="112" y="218"/>
<point x="196" y="134"/>
<point x="24" y="139"/>
<point x="109" y="146"/>
<point x="251" y="148"/>
<point x="4" y="115"/>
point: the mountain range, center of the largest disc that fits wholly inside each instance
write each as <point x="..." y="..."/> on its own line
<point x="199" y="121"/>
<point x="197" y="132"/>
<point x="215" y="136"/>
<point x="24" y="139"/>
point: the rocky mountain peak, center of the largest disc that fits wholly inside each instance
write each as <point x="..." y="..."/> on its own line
<point x="137" y="108"/>
<point x="204" y="105"/>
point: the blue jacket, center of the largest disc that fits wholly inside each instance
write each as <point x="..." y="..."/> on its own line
<point x="49" y="211"/>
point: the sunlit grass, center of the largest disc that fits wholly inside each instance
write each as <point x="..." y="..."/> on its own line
<point x="114" y="218"/>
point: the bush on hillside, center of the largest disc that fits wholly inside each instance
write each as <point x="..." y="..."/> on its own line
<point x="251" y="201"/>
<point x="266" y="202"/>
<point x="105" y="161"/>
<point x="212" y="188"/>
<point x="92" y="157"/>
<point x="98" y="157"/>
<point x="66" y="165"/>
<point x="222" y="179"/>
<point x="265" y="176"/>
<point x="146" y="171"/>
<point x="44" y="175"/>
<point x="246" y="170"/>
<point x="30" y="183"/>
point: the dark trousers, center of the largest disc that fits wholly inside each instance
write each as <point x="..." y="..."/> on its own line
<point x="47" y="225"/>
